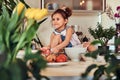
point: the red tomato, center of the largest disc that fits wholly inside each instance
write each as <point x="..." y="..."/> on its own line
<point x="61" y="58"/>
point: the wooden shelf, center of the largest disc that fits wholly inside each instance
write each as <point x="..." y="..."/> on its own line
<point x="97" y="5"/>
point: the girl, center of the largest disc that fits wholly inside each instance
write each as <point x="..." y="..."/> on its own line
<point x="63" y="35"/>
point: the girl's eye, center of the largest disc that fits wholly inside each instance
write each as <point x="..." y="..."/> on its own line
<point x="53" y="19"/>
<point x="58" y="19"/>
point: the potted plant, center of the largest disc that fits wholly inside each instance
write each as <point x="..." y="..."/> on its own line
<point x="102" y="35"/>
<point x="112" y="68"/>
<point x="12" y="39"/>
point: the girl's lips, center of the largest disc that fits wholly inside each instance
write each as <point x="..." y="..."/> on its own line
<point x="55" y="27"/>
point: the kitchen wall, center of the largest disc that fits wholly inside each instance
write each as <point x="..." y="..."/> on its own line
<point x="84" y="21"/>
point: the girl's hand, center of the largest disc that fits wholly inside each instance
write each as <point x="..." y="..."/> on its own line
<point x="45" y="50"/>
<point x="89" y="46"/>
<point x="54" y="50"/>
<point x="86" y="44"/>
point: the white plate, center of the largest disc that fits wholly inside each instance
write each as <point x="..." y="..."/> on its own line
<point x="57" y="63"/>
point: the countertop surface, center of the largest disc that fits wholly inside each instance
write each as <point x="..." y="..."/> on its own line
<point x="71" y="68"/>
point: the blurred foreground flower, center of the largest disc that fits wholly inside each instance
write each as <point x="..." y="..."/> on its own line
<point x="12" y="40"/>
<point x="35" y="13"/>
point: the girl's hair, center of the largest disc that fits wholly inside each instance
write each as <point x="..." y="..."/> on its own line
<point x="66" y="12"/>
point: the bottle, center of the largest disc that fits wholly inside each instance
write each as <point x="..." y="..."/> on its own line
<point x="117" y="37"/>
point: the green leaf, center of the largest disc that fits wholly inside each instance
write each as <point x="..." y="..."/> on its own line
<point x="89" y="68"/>
<point x="1" y="28"/>
<point x="15" y="37"/>
<point x="15" y="71"/>
<point x="32" y="31"/>
<point x="4" y="75"/>
<point x="7" y="39"/>
<point x="13" y="22"/>
<point x="24" y="69"/>
<point x="4" y="19"/>
<point x="97" y="42"/>
<point x="93" y="54"/>
<point x="5" y="14"/>
<point x="99" y="72"/>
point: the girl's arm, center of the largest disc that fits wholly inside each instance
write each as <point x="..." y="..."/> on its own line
<point x="68" y="36"/>
<point x="51" y="39"/>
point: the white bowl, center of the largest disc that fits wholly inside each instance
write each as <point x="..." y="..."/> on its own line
<point x="74" y="52"/>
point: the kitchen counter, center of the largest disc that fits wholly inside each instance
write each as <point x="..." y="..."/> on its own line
<point x="71" y="68"/>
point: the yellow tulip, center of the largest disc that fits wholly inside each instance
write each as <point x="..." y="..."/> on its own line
<point x="20" y="7"/>
<point x="35" y="13"/>
<point x="30" y="13"/>
<point x="40" y="14"/>
<point x="27" y="12"/>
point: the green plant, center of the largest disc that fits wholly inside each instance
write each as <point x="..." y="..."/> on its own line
<point x="10" y="5"/>
<point x="111" y="69"/>
<point x="12" y="39"/>
<point x="102" y="35"/>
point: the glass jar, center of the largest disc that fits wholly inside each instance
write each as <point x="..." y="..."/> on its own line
<point x="89" y="5"/>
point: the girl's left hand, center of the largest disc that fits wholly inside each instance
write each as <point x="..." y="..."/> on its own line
<point x="89" y="46"/>
<point x="86" y="44"/>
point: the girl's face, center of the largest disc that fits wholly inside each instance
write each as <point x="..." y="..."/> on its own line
<point x="58" y="22"/>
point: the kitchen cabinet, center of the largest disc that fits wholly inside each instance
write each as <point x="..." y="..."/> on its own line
<point x="76" y="5"/>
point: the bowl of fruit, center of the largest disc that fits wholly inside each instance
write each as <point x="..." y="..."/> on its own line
<point x="54" y="59"/>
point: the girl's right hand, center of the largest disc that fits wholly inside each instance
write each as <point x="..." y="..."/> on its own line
<point x="45" y="50"/>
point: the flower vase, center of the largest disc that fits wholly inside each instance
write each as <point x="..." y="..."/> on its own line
<point x="117" y="47"/>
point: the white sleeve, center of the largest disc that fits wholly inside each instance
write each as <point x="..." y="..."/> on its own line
<point x="74" y="40"/>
